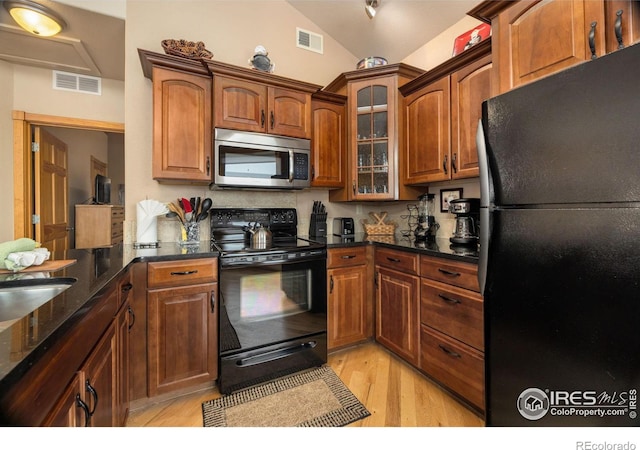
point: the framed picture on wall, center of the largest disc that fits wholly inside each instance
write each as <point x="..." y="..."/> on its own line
<point x="446" y="195"/>
<point x="471" y="38"/>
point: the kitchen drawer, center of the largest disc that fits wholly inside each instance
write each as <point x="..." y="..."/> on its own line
<point x="457" y="273"/>
<point x="346" y="257"/>
<point x="453" y="311"/>
<point x="455" y="365"/>
<point x="117" y="213"/>
<point x="401" y="261"/>
<point x="180" y="273"/>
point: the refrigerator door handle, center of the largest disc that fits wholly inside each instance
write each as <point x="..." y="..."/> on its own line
<point x="486" y="199"/>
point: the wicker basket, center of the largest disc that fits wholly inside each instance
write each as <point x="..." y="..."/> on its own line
<point x="376" y="229"/>
<point x="186" y="49"/>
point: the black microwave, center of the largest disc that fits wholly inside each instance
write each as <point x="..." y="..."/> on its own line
<point x="258" y="160"/>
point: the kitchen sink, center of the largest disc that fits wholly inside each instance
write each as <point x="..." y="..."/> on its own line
<point x="18" y="298"/>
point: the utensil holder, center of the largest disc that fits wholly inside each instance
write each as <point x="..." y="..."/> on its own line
<point x="190" y="234"/>
<point x="318" y="225"/>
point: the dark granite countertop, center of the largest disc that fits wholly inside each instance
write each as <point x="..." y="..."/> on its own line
<point x="441" y="247"/>
<point x="94" y="269"/>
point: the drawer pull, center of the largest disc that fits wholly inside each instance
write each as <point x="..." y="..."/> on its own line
<point x="451" y="301"/>
<point x="127" y="287"/>
<point x="395" y="260"/>
<point x="348" y="256"/>
<point x="449" y="352"/>
<point x="446" y="272"/>
<point x="186" y="272"/>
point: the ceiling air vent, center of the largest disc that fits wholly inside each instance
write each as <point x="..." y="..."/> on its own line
<point x="308" y="40"/>
<point x="66" y="81"/>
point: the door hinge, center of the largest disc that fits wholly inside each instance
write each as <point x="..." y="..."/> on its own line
<point x="35" y="147"/>
<point x="35" y="219"/>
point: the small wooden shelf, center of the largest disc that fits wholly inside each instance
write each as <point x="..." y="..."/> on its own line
<point x="99" y="225"/>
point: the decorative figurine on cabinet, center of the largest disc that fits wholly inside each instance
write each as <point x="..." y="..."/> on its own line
<point x="261" y="61"/>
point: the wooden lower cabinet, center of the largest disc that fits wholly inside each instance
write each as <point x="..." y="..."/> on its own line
<point x="349" y="305"/>
<point x="397" y="303"/>
<point x="182" y="324"/>
<point x="455" y="365"/>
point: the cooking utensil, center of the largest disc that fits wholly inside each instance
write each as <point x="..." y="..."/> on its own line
<point x="206" y="204"/>
<point x="260" y="236"/>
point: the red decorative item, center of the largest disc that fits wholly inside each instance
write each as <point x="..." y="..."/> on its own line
<point x="471" y="38"/>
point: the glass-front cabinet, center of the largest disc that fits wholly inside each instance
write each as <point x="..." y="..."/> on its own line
<point x="374" y="133"/>
<point x="374" y="140"/>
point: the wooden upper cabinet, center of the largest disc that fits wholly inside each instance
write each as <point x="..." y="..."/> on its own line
<point x="328" y="142"/>
<point x="251" y="100"/>
<point x="441" y="113"/>
<point x="239" y="104"/>
<point x="470" y="86"/>
<point x="428" y="121"/>
<point x="182" y="118"/>
<point x="533" y="38"/>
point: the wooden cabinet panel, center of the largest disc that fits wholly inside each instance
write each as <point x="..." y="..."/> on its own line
<point x="250" y="106"/>
<point x="179" y="273"/>
<point x="394" y="259"/>
<point x="70" y="410"/>
<point x="125" y="320"/>
<point x="182" y="337"/>
<point x="397" y="312"/>
<point x="453" y="311"/>
<point x="457" y="273"/>
<point x="459" y="367"/>
<point x="328" y="141"/>
<point x="428" y="137"/>
<point x="239" y="104"/>
<point x="625" y="16"/>
<point x="98" y="378"/>
<point x="346" y="256"/>
<point x="349" y="309"/>
<point x="289" y="113"/>
<point x="182" y="133"/>
<point x="470" y="86"/>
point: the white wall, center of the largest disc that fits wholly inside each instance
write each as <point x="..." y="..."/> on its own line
<point x="6" y="149"/>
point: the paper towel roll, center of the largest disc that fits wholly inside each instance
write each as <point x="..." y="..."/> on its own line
<point x="146" y="226"/>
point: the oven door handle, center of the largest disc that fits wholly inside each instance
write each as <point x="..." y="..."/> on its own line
<point x="275" y="354"/>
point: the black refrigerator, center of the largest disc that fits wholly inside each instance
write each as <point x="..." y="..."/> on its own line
<point x="559" y="263"/>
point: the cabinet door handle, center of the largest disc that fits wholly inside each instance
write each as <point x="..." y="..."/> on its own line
<point x="273" y="119"/>
<point x="94" y="394"/>
<point x="446" y="272"/>
<point x="445" y="164"/>
<point x="331" y="284"/>
<point x="213" y="302"/>
<point x="451" y="301"/>
<point x="354" y="188"/>
<point x="262" y="118"/>
<point x="208" y="165"/>
<point x="618" y="28"/>
<point x="449" y="352"/>
<point x="85" y="409"/>
<point x="592" y="40"/>
<point x="453" y="163"/>
<point x="186" y="272"/>
<point x="313" y="172"/>
<point x="133" y="317"/>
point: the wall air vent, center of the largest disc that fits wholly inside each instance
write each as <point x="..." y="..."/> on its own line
<point x="308" y="40"/>
<point x="85" y="84"/>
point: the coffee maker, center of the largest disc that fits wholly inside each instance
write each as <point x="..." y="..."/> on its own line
<point x="427" y="225"/>
<point x="467" y="227"/>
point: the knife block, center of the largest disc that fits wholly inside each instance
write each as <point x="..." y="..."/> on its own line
<point x="318" y="225"/>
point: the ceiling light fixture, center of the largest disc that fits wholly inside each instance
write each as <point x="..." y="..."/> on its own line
<point x="370" y="8"/>
<point x="34" y="18"/>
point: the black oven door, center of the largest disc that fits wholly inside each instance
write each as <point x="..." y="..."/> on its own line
<point x="273" y="320"/>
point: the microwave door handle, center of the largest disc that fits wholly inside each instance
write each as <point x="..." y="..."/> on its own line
<point x="290" y="166"/>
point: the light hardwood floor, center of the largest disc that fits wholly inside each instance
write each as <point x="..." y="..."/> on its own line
<point x="396" y="394"/>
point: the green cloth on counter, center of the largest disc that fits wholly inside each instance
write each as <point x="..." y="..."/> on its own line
<point x="19" y="245"/>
